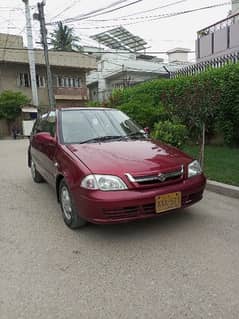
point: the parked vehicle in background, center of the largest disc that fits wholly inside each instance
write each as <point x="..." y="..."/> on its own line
<point x="105" y="169"/>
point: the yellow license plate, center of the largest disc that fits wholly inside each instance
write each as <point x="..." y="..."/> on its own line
<point x="168" y="201"/>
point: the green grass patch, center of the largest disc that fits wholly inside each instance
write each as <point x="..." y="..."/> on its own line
<point x="221" y="163"/>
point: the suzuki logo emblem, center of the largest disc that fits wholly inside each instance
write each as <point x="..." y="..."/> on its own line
<point x="161" y="177"/>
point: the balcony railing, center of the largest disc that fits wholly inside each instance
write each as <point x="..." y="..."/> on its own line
<point x="218" y="39"/>
<point x="65" y="93"/>
<point x="227" y="22"/>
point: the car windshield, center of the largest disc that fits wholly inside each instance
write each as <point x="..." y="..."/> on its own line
<point x="95" y="125"/>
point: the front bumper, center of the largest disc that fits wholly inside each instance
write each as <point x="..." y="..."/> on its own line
<point x="123" y="206"/>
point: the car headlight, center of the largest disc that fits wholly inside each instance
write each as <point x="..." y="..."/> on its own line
<point x="103" y="183"/>
<point x="194" y="169"/>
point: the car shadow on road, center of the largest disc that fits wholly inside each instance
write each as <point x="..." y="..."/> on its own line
<point x="176" y="221"/>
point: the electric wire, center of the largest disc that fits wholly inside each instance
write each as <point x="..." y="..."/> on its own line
<point x="153" y="9"/>
<point x="65" y="9"/>
<point x="102" y="8"/>
<point x="155" y="17"/>
<point x="93" y="15"/>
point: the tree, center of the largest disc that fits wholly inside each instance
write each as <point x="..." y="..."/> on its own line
<point x="10" y="104"/>
<point x="63" y="38"/>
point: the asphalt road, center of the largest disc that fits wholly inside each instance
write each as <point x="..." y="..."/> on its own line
<point x="183" y="265"/>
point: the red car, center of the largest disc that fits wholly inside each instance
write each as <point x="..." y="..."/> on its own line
<point x="105" y="169"/>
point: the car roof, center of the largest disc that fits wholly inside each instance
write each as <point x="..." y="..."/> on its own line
<point x="85" y="108"/>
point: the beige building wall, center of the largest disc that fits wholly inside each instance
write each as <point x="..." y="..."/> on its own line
<point x="11" y="41"/>
<point x="13" y="51"/>
<point x="8" y="81"/>
<point x="57" y="58"/>
<point x="9" y="74"/>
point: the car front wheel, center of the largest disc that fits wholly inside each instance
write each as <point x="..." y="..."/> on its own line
<point x="69" y="212"/>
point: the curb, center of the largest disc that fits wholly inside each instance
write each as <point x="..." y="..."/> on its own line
<point x="224" y="189"/>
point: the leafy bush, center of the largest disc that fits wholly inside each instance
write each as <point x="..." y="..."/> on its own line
<point x="227" y="117"/>
<point x="10" y="104"/>
<point x="171" y="133"/>
<point x="210" y="98"/>
<point x="141" y="103"/>
<point x="143" y="111"/>
<point x="97" y="104"/>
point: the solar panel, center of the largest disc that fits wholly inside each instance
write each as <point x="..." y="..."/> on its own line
<point x="120" y="38"/>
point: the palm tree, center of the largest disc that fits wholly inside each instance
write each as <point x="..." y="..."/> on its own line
<point x="63" y="38"/>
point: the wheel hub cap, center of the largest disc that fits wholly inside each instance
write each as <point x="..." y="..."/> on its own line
<point x="66" y="202"/>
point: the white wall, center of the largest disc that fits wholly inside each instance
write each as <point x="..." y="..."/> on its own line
<point x="178" y="56"/>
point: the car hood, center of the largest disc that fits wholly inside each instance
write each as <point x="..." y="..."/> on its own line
<point x="134" y="156"/>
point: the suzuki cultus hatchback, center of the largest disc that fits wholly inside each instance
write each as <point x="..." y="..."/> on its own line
<point x="105" y="169"/>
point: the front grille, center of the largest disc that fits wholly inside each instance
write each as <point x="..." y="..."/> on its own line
<point x="128" y="212"/>
<point x="162" y="178"/>
<point x="149" y="209"/>
<point x="122" y="212"/>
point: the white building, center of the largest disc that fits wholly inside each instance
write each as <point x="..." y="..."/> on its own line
<point x="178" y="55"/>
<point x="123" y="69"/>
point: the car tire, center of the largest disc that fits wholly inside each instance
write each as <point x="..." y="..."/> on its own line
<point x="36" y="176"/>
<point x="70" y="214"/>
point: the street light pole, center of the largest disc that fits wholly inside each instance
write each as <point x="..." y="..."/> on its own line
<point x="41" y="17"/>
<point x="31" y="56"/>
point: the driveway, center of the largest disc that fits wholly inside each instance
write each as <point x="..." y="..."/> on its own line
<point x="183" y="265"/>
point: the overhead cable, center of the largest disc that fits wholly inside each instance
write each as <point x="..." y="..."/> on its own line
<point x="93" y="15"/>
<point x="104" y="52"/>
<point x="65" y="9"/>
<point x="156" y="17"/>
<point x="153" y="9"/>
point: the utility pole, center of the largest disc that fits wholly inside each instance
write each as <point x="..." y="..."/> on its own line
<point x="41" y="17"/>
<point x="31" y="56"/>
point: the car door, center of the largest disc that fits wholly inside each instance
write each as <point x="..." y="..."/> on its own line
<point x="44" y="145"/>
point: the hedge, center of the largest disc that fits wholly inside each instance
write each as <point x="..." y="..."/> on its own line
<point x="211" y="97"/>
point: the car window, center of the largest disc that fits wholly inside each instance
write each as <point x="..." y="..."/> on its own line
<point x="34" y="128"/>
<point x="79" y="126"/>
<point x="47" y="124"/>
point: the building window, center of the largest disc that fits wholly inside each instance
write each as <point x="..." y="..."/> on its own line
<point x="68" y="81"/>
<point x="40" y="81"/>
<point x="24" y="80"/>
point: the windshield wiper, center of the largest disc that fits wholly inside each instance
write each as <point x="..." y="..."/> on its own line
<point x="103" y="139"/>
<point x="136" y="134"/>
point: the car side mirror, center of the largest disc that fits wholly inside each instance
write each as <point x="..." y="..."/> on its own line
<point x="45" y="138"/>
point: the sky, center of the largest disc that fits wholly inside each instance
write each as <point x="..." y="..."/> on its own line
<point x="143" y="18"/>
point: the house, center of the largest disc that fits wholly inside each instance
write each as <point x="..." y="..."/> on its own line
<point x="122" y="69"/>
<point x="68" y="70"/>
<point x="122" y="62"/>
<point x="216" y="45"/>
<point x="220" y="40"/>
